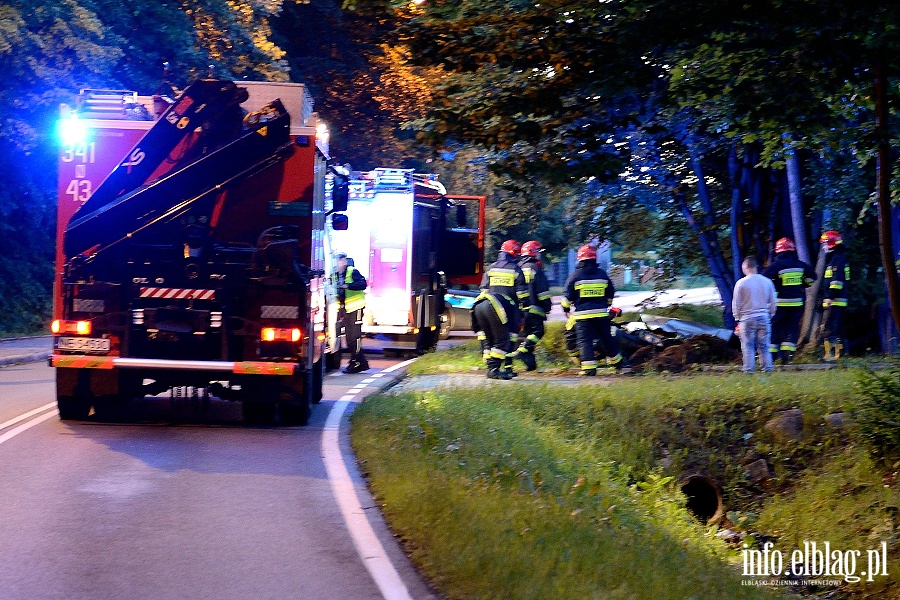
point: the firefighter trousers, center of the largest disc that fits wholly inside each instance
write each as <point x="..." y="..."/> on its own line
<point x="786" y="329"/>
<point x="353" y="334"/>
<point x="496" y="316"/>
<point x="590" y="331"/>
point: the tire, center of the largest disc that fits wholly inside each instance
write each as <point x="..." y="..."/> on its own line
<point x="73" y="408"/>
<point x="258" y="413"/>
<point x="258" y="405"/>
<point x="294" y="408"/>
<point x="318" y="380"/>
<point x="73" y="401"/>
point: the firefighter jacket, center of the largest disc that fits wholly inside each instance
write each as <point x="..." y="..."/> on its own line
<point x="504" y="278"/>
<point x="352" y="293"/>
<point x="791" y="277"/>
<point x="590" y="291"/>
<point x="538" y="301"/>
<point x="837" y="277"/>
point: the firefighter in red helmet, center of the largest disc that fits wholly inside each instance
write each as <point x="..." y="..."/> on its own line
<point x="536" y="304"/>
<point x="791" y="277"/>
<point x="835" y="284"/>
<point x="590" y="292"/>
<point x="495" y="315"/>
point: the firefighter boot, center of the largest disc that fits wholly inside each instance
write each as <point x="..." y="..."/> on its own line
<point x="358" y="364"/>
<point x="508" y="367"/>
<point x="828" y="356"/>
<point x="494" y="371"/>
<point x="527" y="357"/>
<point x="838" y="347"/>
<point x="786" y="357"/>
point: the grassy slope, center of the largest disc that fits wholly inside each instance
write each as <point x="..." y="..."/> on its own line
<point x="558" y="492"/>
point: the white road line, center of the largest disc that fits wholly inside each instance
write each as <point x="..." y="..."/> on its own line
<point x="30" y="413"/>
<point x="366" y="541"/>
<point x="398" y="366"/>
<point x="26" y="426"/>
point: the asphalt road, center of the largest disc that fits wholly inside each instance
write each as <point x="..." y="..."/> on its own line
<point x="186" y="502"/>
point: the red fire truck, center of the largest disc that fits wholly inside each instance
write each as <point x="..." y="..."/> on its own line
<point x="413" y="241"/>
<point x="191" y="254"/>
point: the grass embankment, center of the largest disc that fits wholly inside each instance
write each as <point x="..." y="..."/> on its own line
<point x="548" y="491"/>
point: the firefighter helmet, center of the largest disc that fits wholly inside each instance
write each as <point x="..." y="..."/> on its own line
<point x="587" y="252"/>
<point x="531" y="248"/>
<point x="511" y="247"/>
<point x="831" y="238"/>
<point x="785" y="245"/>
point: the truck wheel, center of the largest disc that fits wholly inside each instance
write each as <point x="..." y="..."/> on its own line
<point x="73" y="394"/>
<point x="260" y="394"/>
<point x="72" y="408"/>
<point x="333" y="359"/>
<point x="318" y="377"/>
<point x="447" y="324"/>
<point x="293" y="407"/>
<point x="258" y="413"/>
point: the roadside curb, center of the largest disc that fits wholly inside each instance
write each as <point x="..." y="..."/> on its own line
<point x="24" y="358"/>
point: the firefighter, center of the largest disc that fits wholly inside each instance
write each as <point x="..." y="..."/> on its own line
<point x="791" y="277"/>
<point x="351" y="287"/>
<point x="834" y="297"/>
<point x="537" y="302"/>
<point x="495" y="314"/>
<point x="590" y="292"/>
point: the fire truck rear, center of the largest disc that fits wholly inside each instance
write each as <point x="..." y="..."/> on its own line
<point x="191" y="250"/>
<point x="412" y="240"/>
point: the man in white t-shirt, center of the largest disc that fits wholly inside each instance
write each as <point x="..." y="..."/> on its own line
<point x="753" y="306"/>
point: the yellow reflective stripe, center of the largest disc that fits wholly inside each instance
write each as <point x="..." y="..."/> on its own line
<point x="591" y="314"/>
<point x="829" y="272"/>
<point x="847" y="273"/>
<point x="614" y="360"/>
<point x="536" y="311"/>
<point x="545" y="296"/>
<point x="263" y="368"/>
<point x="790" y="302"/>
<point x="588" y="364"/>
<point x="788" y="346"/>
<point x="836" y="285"/>
<point x="524" y="294"/>
<point x="791" y="278"/>
<point x="498" y="353"/>
<point x="497" y="307"/>
<point x="592" y="288"/>
<point x="570" y="323"/>
<point x="533" y="338"/>
<point x="565" y="303"/>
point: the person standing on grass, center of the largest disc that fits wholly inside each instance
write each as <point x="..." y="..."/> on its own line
<point x="753" y="306"/>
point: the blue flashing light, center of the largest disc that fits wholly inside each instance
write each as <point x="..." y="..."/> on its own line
<point x="72" y="131"/>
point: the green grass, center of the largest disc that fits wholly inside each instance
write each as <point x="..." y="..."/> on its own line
<point x="561" y="492"/>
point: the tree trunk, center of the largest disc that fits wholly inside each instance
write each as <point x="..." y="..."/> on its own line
<point x="812" y="300"/>
<point x="737" y="209"/>
<point x="714" y="258"/>
<point x="798" y="219"/>
<point x="885" y="235"/>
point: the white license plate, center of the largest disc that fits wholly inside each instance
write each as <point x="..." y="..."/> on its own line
<point x="84" y="344"/>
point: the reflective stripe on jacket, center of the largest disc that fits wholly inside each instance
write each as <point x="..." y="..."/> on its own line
<point x="354" y="299"/>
